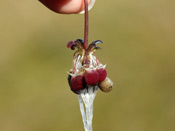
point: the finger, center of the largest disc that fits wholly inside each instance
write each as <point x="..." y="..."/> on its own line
<point x="67" y="6"/>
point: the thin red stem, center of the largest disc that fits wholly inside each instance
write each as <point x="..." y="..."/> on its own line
<point x="86" y="25"/>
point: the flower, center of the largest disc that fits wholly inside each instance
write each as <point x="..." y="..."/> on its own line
<point x="87" y="70"/>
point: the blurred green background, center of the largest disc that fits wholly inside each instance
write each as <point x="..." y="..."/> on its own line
<point x="139" y="49"/>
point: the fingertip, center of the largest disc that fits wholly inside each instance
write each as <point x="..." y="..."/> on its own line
<point x="90" y="5"/>
<point x="67" y="6"/>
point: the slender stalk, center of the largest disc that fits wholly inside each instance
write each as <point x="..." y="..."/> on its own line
<point x="82" y="112"/>
<point x="86" y="25"/>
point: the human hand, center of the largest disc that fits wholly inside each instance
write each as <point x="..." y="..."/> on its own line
<point x="67" y="6"/>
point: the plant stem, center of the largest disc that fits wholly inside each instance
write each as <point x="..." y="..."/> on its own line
<point x="86" y="25"/>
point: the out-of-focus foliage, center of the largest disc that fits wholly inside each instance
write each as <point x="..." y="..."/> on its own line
<point x="139" y="49"/>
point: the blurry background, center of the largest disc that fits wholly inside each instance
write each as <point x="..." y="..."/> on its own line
<point x="139" y="49"/>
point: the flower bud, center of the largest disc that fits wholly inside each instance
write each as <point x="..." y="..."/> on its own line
<point x="91" y="77"/>
<point x="76" y="83"/>
<point x="106" y="85"/>
<point x="102" y="73"/>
